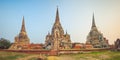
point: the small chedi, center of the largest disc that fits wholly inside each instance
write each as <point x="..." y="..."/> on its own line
<point x="95" y="38"/>
<point x="117" y="44"/>
<point x="21" y="39"/>
<point x="57" y="39"/>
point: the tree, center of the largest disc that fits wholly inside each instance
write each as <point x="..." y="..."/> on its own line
<point x="4" y="43"/>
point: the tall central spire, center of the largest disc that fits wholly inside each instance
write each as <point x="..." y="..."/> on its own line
<point x="93" y="24"/>
<point x="93" y="21"/>
<point x="57" y="17"/>
<point x="23" y="26"/>
<point x="57" y="25"/>
<point x="57" y="39"/>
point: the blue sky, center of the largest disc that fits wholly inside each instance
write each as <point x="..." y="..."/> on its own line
<point x="75" y="17"/>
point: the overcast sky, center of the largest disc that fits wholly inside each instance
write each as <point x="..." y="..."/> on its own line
<point x="75" y="17"/>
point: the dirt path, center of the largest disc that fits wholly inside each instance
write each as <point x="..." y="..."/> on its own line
<point x="52" y="58"/>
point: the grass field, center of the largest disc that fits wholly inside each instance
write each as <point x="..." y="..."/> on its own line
<point x="104" y="55"/>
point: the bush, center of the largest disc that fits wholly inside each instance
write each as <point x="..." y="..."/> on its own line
<point x="4" y="43"/>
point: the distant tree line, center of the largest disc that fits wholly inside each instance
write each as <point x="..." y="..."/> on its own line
<point x="4" y="43"/>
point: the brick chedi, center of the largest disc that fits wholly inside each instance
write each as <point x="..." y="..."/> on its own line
<point x="96" y="38"/>
<point x="57" y="39"/>
<point x="21" y="39"/>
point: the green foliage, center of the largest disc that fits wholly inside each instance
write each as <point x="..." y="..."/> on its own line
<point x="4" y="43"/>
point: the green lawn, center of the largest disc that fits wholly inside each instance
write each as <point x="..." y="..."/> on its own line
<point x="104" y="55"/>
<point x="11" y="55"/>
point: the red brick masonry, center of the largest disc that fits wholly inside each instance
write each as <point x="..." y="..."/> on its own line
<point x="52" y="52"/>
